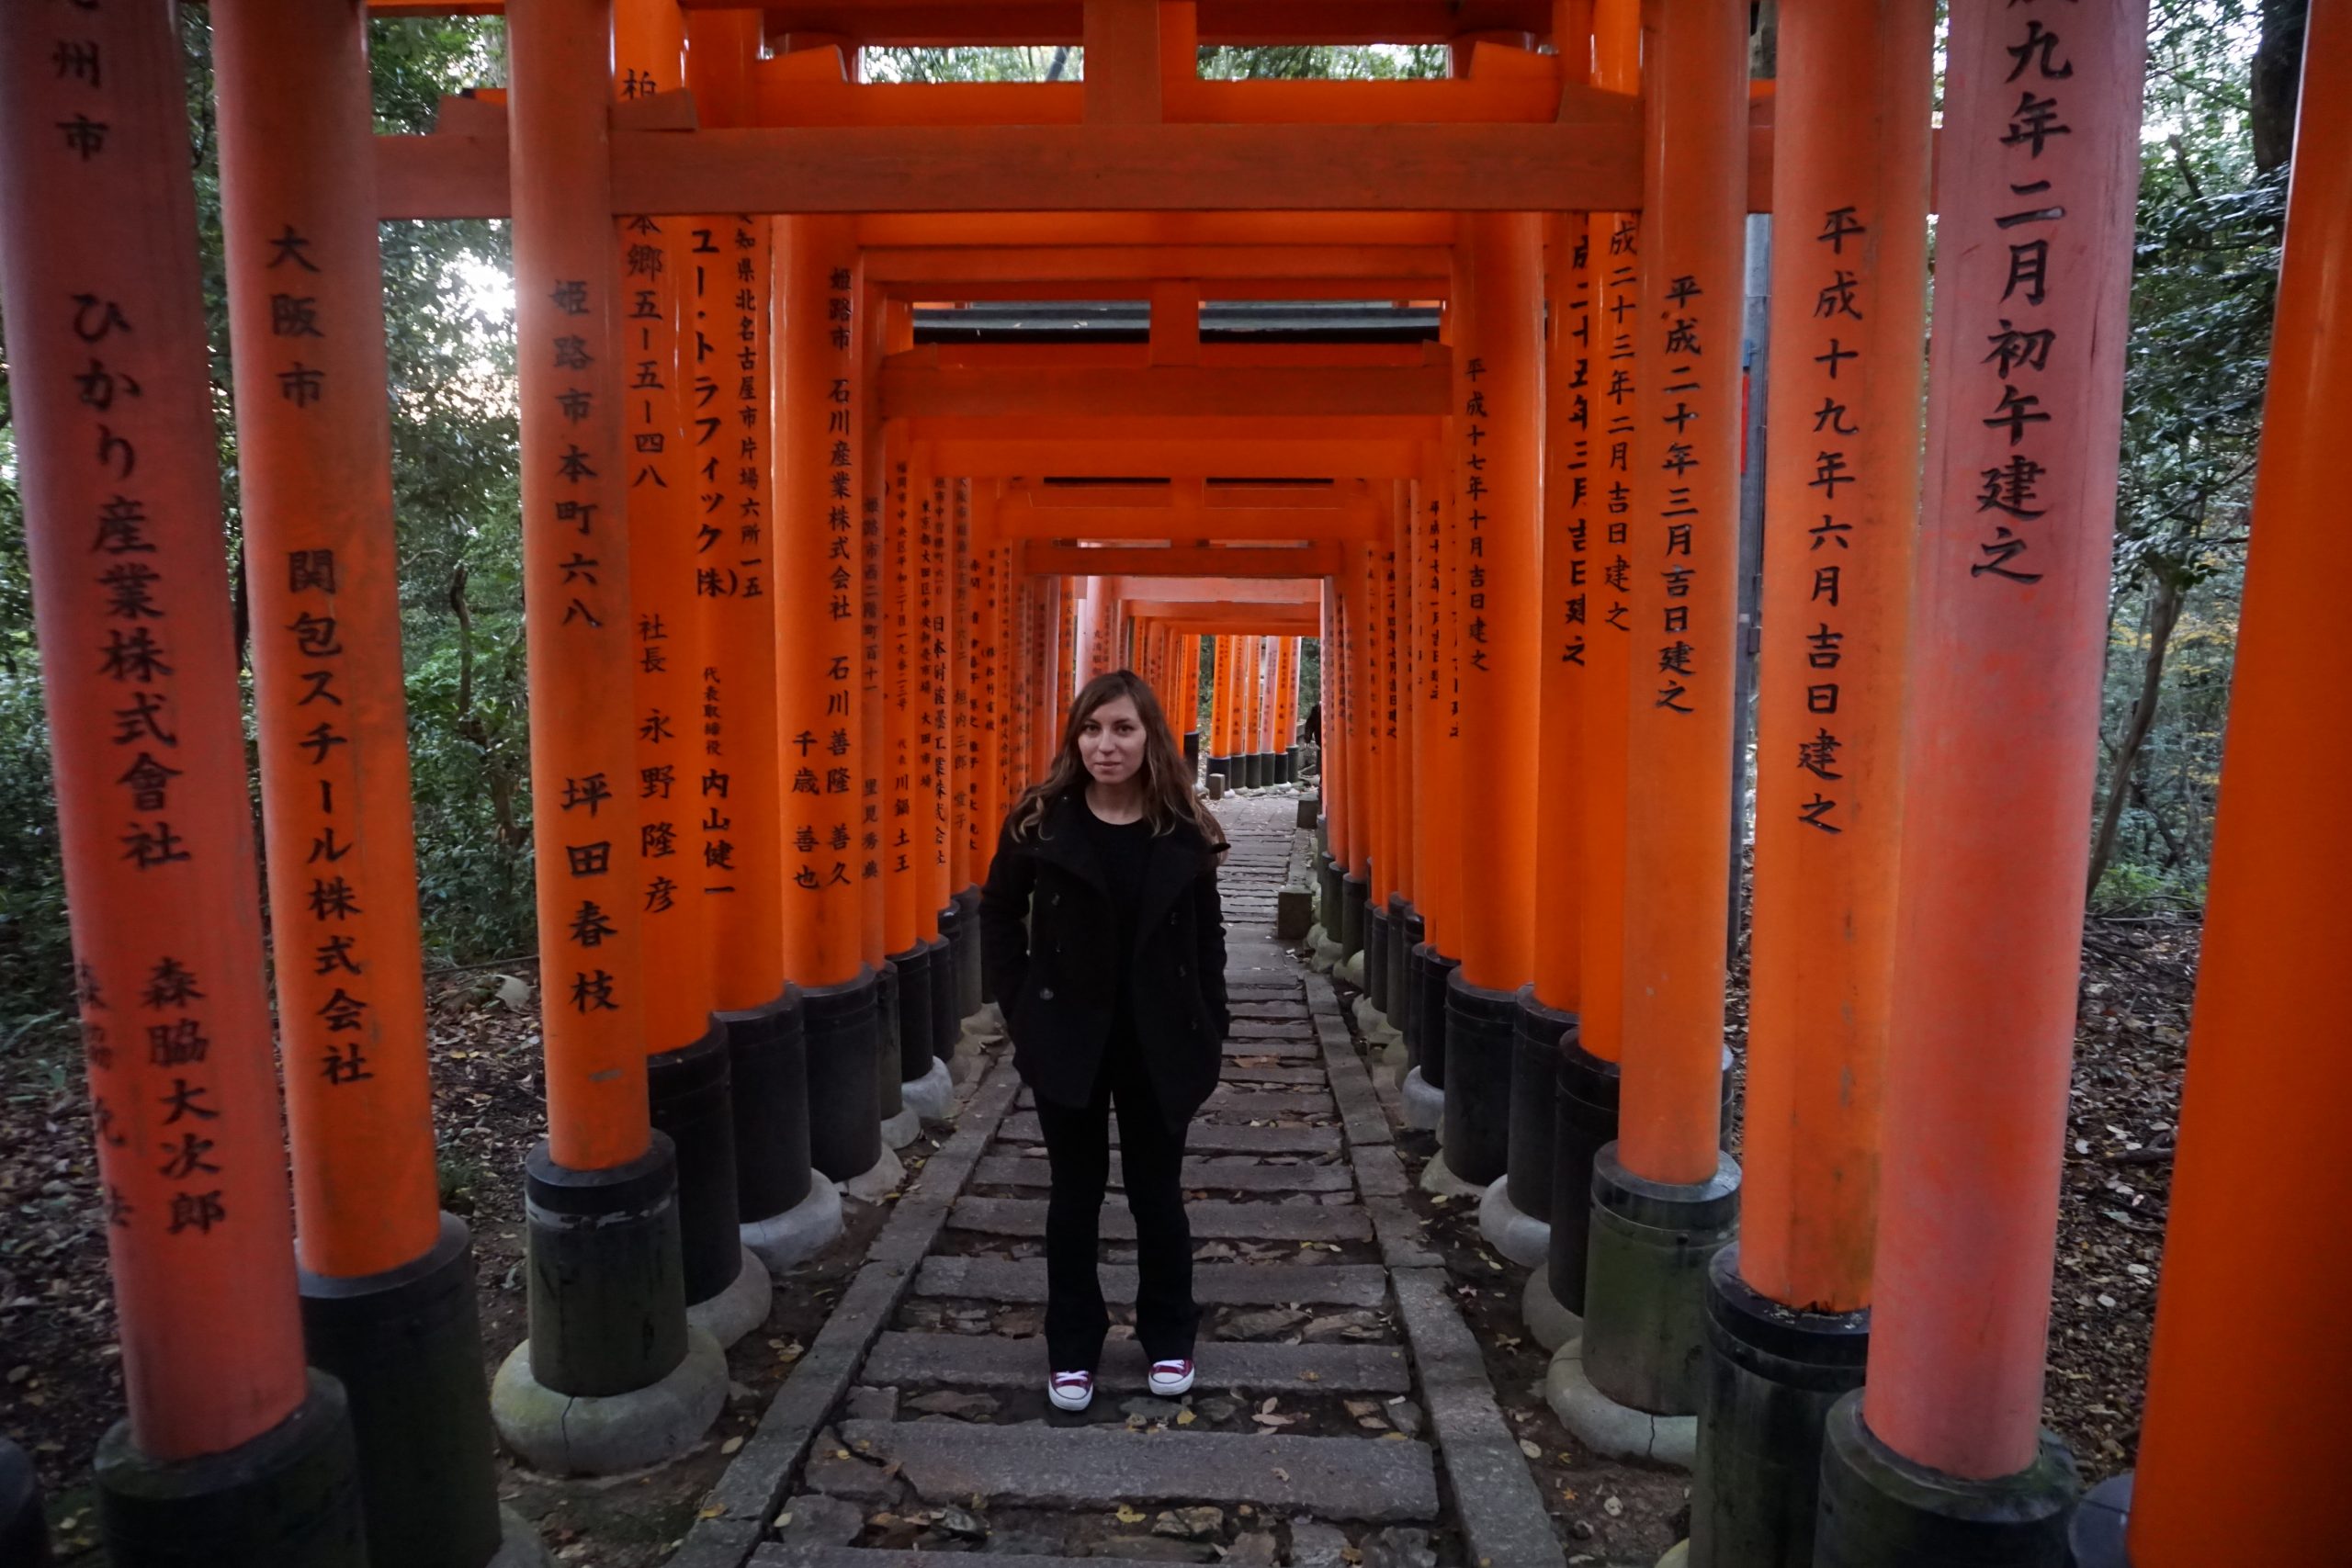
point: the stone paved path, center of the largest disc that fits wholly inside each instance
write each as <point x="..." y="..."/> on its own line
<point x="1343" y="1413"/>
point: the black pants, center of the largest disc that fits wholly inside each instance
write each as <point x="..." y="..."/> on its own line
<point x="1151" y="1160"/>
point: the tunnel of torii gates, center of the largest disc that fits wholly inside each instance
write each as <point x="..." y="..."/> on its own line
<point x="806" y="597"/>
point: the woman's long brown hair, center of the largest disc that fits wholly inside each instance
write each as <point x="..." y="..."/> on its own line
<point x="1167" y="797"/>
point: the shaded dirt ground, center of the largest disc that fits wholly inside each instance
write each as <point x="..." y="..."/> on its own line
<point x="60" y="1377"/>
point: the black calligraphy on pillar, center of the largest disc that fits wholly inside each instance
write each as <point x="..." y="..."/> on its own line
<point x="1683" y="368"/>
<point x="2017" y="333"/>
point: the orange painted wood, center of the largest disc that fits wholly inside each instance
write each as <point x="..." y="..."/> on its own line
<point x="934" y="783"/>
<point x="1849" y="276"/>
<point x="1500" y="497"/>
<point x="314" y="473"/>
<point x="117" y="462"/>
<point x="2260" y="1082"/>
<point x="991" y="397"/>
<point x="739" y="788"/>
<point x="817" y="604"/>
<point x="2002" y="717"/>
<point x="1122" y="84"/>
<point x="575" y="566"/>
<point x="666" y="630"/>
<point x="930" y="23"/>
<point x="1343" y="270"/>
<point x="1570" y="505"/>
<point x="1060" y="168"/>
<point x="1233" y="524"/>
<point x="1614" y="244"/>
<point x="1436" y="827"/>
<point x="1682" y="548"/>
<point x="1181" y="454"/>
<point x="1184" y="560"/>
<point x="902" y="613"/>
<point x="790" y="96"/>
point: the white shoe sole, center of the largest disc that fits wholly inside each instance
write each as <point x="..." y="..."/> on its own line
<point x="1070" y="1402"/>
<point x="1169" y="1388"/>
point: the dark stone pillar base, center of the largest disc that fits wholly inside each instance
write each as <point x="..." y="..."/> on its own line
<point x="947" y="1023"/>
<point x="24" y="1528"/>
<point x="1192" y="752"/>
<point x="1479" y="1026"/>
<point x="1353" y="893"/>
<point x="1584" y="1121"/>
<point x="1534" y="1072"/>
<point x="613" y="1377"/>
<point x="769" y="1068"/>
<point x="692" y="1100"/>
<point x="1646" y="1282"/>
<point x="2095" y="1537"/>
<point x="1329" y="894"/>
<point x="1375" y="955"/>
<point x="405" y="1345"/>
<point x="288" y="1497"/>
<point x="1409" y="936"/>
<point x="889" y="1028"/>
<point x="1437" y="975"/>
<point x="914" y="1055"/>
<point x="970" y="992"/>
<point x="1878" y="1509"/>
<point x="845" y="1133"/>
<point x="1772" y="1373"/>
<point x="1394" y="952"/>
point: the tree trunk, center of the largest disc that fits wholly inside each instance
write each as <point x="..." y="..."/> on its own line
<point x="2278" y="68"/>
<point x="2164" y="615"/>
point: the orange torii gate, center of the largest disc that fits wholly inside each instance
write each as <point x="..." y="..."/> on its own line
<point x="1526" y="622"/>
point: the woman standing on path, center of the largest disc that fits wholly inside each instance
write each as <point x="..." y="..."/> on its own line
<point x="1114" y="995"/>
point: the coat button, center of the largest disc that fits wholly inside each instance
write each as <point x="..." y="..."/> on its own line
<point x="1045" y="993"/>
<point x="1182" y="972"/>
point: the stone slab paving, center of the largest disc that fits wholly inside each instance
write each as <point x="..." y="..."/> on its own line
<point x="1208" y="1137"/>
<point x="1222" y="1173"/>
<point x="1254" y="1103"/>
<point x="1213" y="1284"/>
<point x="1210" y="1219"/>
<point x="902" y="1436"/>
<point x="1098" y="1467"/>
<point x="990" y="1361"/>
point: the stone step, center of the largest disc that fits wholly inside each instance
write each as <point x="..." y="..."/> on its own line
<point x="1213" y="1284"/>
<point x="1287" y="1050"/>
<point x="802" y="1554"/>
<point x="1209" y="1219"/>
<point x="1246" y="1104"/>
<point x="1272" y="1072"/>
<point x="991" y="1360"/>
<point x="1269" y="1105"/>
<point x="1270" y="1029"/>
<point x="1228" y="1174"/>
<point x="1205" y="1137"/>
<point x="1102" y="1467"/>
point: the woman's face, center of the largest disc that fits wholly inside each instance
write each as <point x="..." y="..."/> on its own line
<point x="1109" y="741"/>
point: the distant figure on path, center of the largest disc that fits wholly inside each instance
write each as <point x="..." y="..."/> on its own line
<point x="1114" y="995"/>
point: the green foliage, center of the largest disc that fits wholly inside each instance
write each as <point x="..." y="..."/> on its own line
<point x="2204" y="282"/>
<point x="1332" y="63"/>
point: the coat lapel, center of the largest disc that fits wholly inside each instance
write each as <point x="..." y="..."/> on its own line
<point x="1066" y="843"/>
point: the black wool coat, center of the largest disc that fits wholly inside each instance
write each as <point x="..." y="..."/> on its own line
<point x="1057" y="981"/>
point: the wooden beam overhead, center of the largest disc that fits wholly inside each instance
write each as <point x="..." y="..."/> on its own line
<point x="930" y="24"/>
<point x="926" y="391"/>
<point x="1219" y="524"/>
<point x="1174" y="456"/>
<point x="1182" y="560"/>
<point x="979" y="231"/>
<point x="1093" y="168"/>
<point x="1379" y="271"/>
<point x="1254" y="620"/>
<point x="1182" y="595"/>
